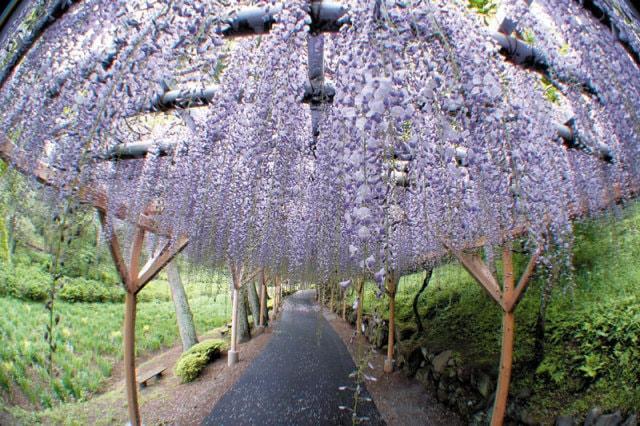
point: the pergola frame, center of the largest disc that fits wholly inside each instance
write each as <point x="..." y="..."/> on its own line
<point x="326" y="17"/>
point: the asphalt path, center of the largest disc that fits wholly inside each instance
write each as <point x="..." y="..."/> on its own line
<point x="296" y="378"/>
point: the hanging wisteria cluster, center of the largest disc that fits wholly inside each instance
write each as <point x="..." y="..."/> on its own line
<point x="437" y="134"/>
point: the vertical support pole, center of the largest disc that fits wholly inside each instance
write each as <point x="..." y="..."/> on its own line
<point x="129" y="335"/>
<point x="360" y="288"/>
<point x="331" y="299"/>
<point x="344" y="305"/>
<point x="129" y="339"/>
<point x="232" y="355"/>
<point x="506" y="352"/>
<point x="263" y="285"/>
<point x="275" y="295"/>
<point x="391" y="292"/>
<point x="236" y="278"/>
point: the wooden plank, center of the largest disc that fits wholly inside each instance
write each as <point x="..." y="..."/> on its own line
<point x="156" y="372"/>
<point x="153" y="267"/>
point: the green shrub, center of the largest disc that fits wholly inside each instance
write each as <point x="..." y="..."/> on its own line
<point x="25" y="282"/>
<point x="193" y="361"/>
<point x="85" y="290"/>
<point x="189" y="366"/>
<point x="210" y="348"/>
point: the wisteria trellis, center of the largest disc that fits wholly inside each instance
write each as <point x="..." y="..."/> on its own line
<point x="420" y="86"/>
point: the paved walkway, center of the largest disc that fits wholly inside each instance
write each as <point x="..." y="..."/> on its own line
<point x="295" y="380"/>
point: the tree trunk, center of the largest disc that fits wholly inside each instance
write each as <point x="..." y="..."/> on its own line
<point x="184" y="316"/>
<point x="243" y="330"/>
<point x="254" y="303"/>
<point x="183" y="311"/>
<point x="416" y="314"/>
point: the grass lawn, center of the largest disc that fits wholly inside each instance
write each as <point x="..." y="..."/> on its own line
<point x="89" y="341"/>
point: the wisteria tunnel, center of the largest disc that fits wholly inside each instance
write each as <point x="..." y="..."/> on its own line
<point x="321" y="144"/>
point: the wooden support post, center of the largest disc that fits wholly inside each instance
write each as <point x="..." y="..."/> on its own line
<point x="129" y="341"/>
<point x="263" y="286"/>
<point x="276" y="295"/>
<point x="236" y="278"/>
<point x="134" y="280"/>
<point x="392" y="286"/>
<point x="506" y="351"/>
<point x="331" y="298"/>
<point x="360" y="289"/>
<point x="507" y="299"/>
<point x="344" y="305"/>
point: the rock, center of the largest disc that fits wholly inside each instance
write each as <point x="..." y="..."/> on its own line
<point x="425" y="353"/>
<point x="565" y="421"/>
<point x="484" y="384"/>
<point x="631" y="421"/>
<point x="614" y="419"/>
<point x="422" y="376"/>
<point x="440" y="361"/>
<point x="592" y="416"/>
<point x="480" y="418"/>
<point x="441" y="395"/>
<point x="525" y="417"/>
<point x="464" y="374"/>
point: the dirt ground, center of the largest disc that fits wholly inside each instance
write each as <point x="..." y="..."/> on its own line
<point x="400" y="400"/>
<point x="189" y="404"/>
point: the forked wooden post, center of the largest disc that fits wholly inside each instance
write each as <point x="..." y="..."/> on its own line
<point x="134" y="280"/>
<point x="507" y="298"/>
<point x="508" y="330"/>
<point x="391" y="287"/>
<point x="360" y="290"/>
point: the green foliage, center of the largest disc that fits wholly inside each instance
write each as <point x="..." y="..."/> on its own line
<point x="189" y="366"/>
<point x="89" y="340"/>
<point x="90" y="291"/>
<point x="25" y="282"/>
<point x="528" y="36"/>
<point x="210" y="348"/>
<point x="550" y="92"/>
<point x="592" y="351"/>
<point x="486" y="8"/>
<point x="192" y="362"/>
